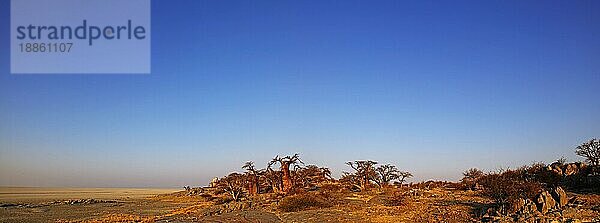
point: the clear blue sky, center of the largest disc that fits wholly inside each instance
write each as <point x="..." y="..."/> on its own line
<point x="434" y="88"/>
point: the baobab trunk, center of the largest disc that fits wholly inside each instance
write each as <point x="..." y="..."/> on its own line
<point x="286" y="178"/>
<point x="253" y="187"/>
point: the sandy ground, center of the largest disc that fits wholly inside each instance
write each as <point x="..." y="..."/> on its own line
<point x="161" y="205"/>
<point x="45" y="194"/>
<point x="52" y="204"/>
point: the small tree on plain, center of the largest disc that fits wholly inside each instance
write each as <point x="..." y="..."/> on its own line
<point x="470" y="178"/>
<point x="364" y="172"/>
<point x="233" y="184"/>
<point x="472" y="174"/>
<point x="385" y="174"/>
<point x="590" y="151"/>
<point x="403" y="176"/>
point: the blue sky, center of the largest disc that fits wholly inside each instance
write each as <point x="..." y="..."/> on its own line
<point x="434" y="88"/>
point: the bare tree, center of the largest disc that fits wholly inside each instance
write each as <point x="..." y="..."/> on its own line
<point x="351" y="180"/>
<point x="403" y="176"/>
<point x="273" y="179"/>
<point x="253" y="178"/>
<point x="310" y="175"/>
<point x="364" y="172"/>
<point x="385" y="174"/>
<point x="284" y="166"/>
<point x="472" y="174"/>
<point x="591" y="151"/>
<point x="232" y="184"/>
<point x="470" y="178"/>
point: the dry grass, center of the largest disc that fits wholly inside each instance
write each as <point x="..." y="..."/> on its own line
<point x="329" y="204"/>
<point x="301" y="202"/>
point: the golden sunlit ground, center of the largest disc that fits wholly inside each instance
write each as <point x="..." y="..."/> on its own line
<point x="161" y="205"/>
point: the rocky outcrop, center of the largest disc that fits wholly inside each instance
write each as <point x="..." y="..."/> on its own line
<point x="545" y="202"/>
<point x="525" y="209"/>
<point x="213" y="182"/>
<point x="566" y="169"/>
<point x="560" y="196"/>
<point x="546" y="206"/>
<point x="556" y="199"/>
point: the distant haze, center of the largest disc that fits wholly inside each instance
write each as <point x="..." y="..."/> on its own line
<point x="432" y="87"/>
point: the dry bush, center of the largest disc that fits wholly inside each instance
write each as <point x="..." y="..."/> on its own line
<point x="432" y="184"/>
<point x="207" y="197"/>
<point x="222" y="200"/>
<point x="333" y="193"/>
<point x="470" y="178"/>
<point x="395" y="198"/>
<point x="506" y="187"/>
<point x="332" y="198"/>
<point x="582" y="182"/>
<point x="331" y="187"/>
<point x="539" y="172"/>
<point x="391" y="197"/>
<point x="301" y="202"/>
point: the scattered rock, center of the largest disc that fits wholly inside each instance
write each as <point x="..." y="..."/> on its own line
<point x="545" y="202"/>
<point x="576" y="202"/>
<point x="566" y="169"/>
<point x="80" y="201"/>
<point x="8" y="205"/>
<point x="560" y="196"/>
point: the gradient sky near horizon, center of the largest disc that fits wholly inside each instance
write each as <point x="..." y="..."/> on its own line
<point x="432" y="87"/>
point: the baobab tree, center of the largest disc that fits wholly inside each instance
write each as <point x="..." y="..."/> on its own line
<point x="364" y="172"/>
<point x="284" y="166"/>
<point x="232" y="184"/>
<point x="253" y="178"/>
<point x="273" y="179"/>
<point x="310" y="175"/>
<point x="385" y="174"/>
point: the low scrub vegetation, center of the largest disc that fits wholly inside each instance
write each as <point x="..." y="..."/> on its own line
<point x="395" y="198"/>
<point x="301" y="202"/>
<point x="509" y="187"/>
<point x="506" y="187"/>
